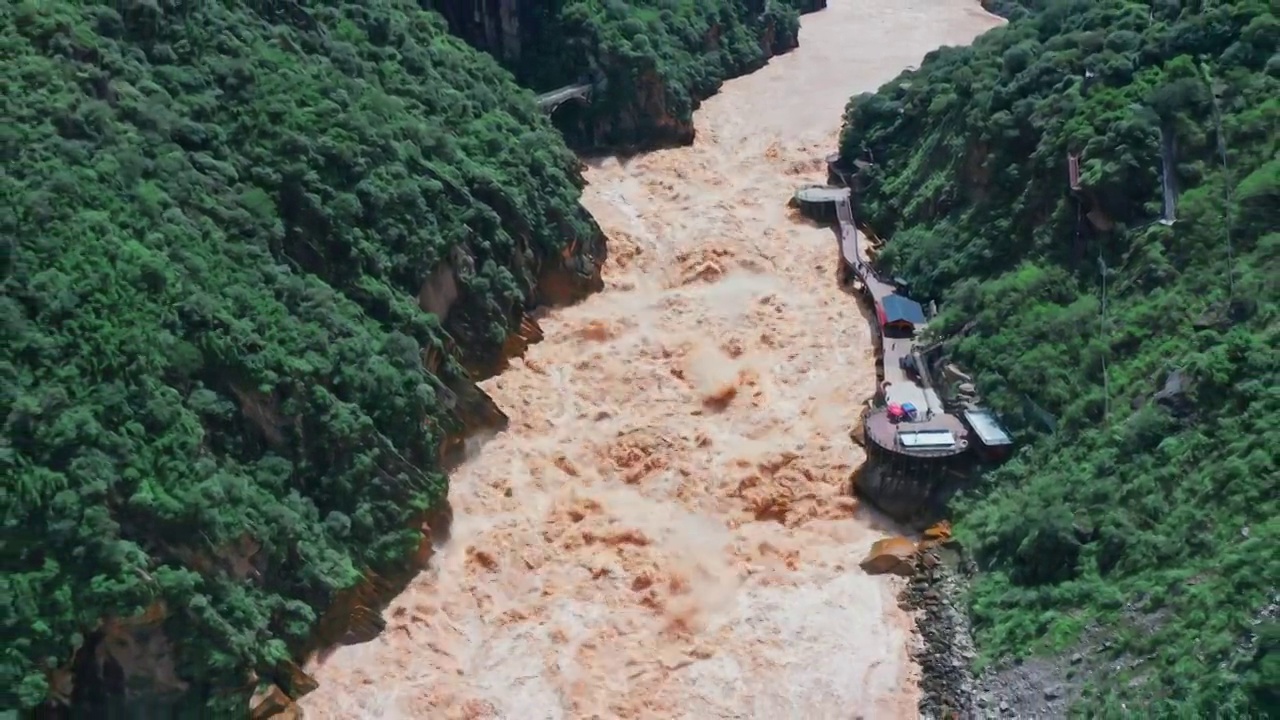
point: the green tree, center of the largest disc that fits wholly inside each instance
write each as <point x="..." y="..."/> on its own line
<point x="1148" y="516"/>
<point x="219" y="218"/>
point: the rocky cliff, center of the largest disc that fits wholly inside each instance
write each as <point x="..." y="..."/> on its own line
<point x="129" y="663"/>
<point x="260" y="256"/>
<point x="912" y="492"/>
<point x="650" y="64"/>
<point x="498" y="27"/>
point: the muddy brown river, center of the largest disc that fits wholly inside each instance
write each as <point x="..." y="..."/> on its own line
<point x="665" y="530"/>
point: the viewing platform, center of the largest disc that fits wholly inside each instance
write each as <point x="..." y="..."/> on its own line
<point x="921" y="448"/>
<point x="907" y="415"/>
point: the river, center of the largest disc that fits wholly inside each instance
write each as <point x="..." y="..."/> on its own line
<point x="666" y="529"/>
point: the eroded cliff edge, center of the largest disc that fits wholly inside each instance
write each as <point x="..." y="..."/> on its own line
<point x="260" y="257"/>
<point x="650" y="64"/>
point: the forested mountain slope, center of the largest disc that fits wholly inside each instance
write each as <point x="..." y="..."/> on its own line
<point x="224" y="224"/>
<point x="1145" y="527"/>
<point x="651" y="61"/>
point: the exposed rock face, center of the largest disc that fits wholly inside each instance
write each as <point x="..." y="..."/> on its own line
<point x="911" y="491"/>
<point x="125" y="662"/>
<point x="575" y="275"/>
<point x="1175" y="396"/>
<point x="1039" y="687"/>
<point x="439" y="291"/>
<point x="545" y="279"/>
<point x="627" y="114"/>
<point x="776" y="41"/>
<point x="138" y="648"/>
<point x="495" y="26"/>
<point x="353" y="615"/>
<point x="273" y="704"/>
<point x="631" y="107"/>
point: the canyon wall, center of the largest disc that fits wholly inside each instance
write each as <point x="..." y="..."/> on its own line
<point x="912" y="492"/>
<point x="1019" y="183"/>
<point x="498" y="27"/>
<point x="650" y="65"/>
<point x="287" y="243"/>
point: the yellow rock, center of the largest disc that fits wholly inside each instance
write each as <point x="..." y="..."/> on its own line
<point x="891" y="555"/>
<point x="940" y="531"/>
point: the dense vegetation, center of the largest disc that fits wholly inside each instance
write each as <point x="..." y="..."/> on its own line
<point x="217" y="219"/>
<point x="651" y="61"/>
<point x="1014" y="9"/>
<point x="1148" y="522"/>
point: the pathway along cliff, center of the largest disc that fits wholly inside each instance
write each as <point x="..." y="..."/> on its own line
<point x="666" y="528"/>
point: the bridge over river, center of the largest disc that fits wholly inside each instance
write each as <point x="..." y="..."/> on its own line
<point x="549" y="101"/>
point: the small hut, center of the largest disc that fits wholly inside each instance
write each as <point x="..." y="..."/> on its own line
<point x="994" y="442"/>
<point x="899" y="316"/>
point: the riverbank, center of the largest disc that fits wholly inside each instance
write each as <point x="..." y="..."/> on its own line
<point x="665" y="526"/>
<point x="1038" y="688"/>
<point x="945" y="653"/>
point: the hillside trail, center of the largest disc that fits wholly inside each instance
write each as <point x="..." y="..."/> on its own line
<point x="666" y="529"/>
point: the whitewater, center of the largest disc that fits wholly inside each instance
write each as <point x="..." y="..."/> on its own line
<point x="666" y="529"/>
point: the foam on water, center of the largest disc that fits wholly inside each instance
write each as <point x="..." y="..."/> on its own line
<point x="666" y="531"/>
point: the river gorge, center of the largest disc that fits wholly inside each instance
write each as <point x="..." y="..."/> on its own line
<point x="666" y="527"/>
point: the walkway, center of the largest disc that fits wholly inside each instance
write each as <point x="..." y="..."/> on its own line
<point x="900" y="389"/>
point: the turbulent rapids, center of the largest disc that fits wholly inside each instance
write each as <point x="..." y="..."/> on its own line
<point x="666" y="528"/>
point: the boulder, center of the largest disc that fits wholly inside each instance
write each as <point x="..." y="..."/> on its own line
<point x="272" y="704"/>
<point x="939" y="531"/>
<point x="293" y="680"/>
<point x="859" y="432"/>
<point x="890" y="555"/>
<point x="363" y="625"/>
<point x="953" y="373"/>
<point x="1175" y="396"/>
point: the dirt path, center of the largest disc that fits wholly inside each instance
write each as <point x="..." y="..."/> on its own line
<point x="666" y="530"/>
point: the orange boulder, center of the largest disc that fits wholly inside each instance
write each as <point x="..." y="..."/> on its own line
<point x="939" y="532"/>
<point x="891" y="555"/>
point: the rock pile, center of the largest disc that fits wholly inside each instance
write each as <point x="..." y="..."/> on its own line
<point x="945" y="657"/>
<point x="948" y="686"/>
